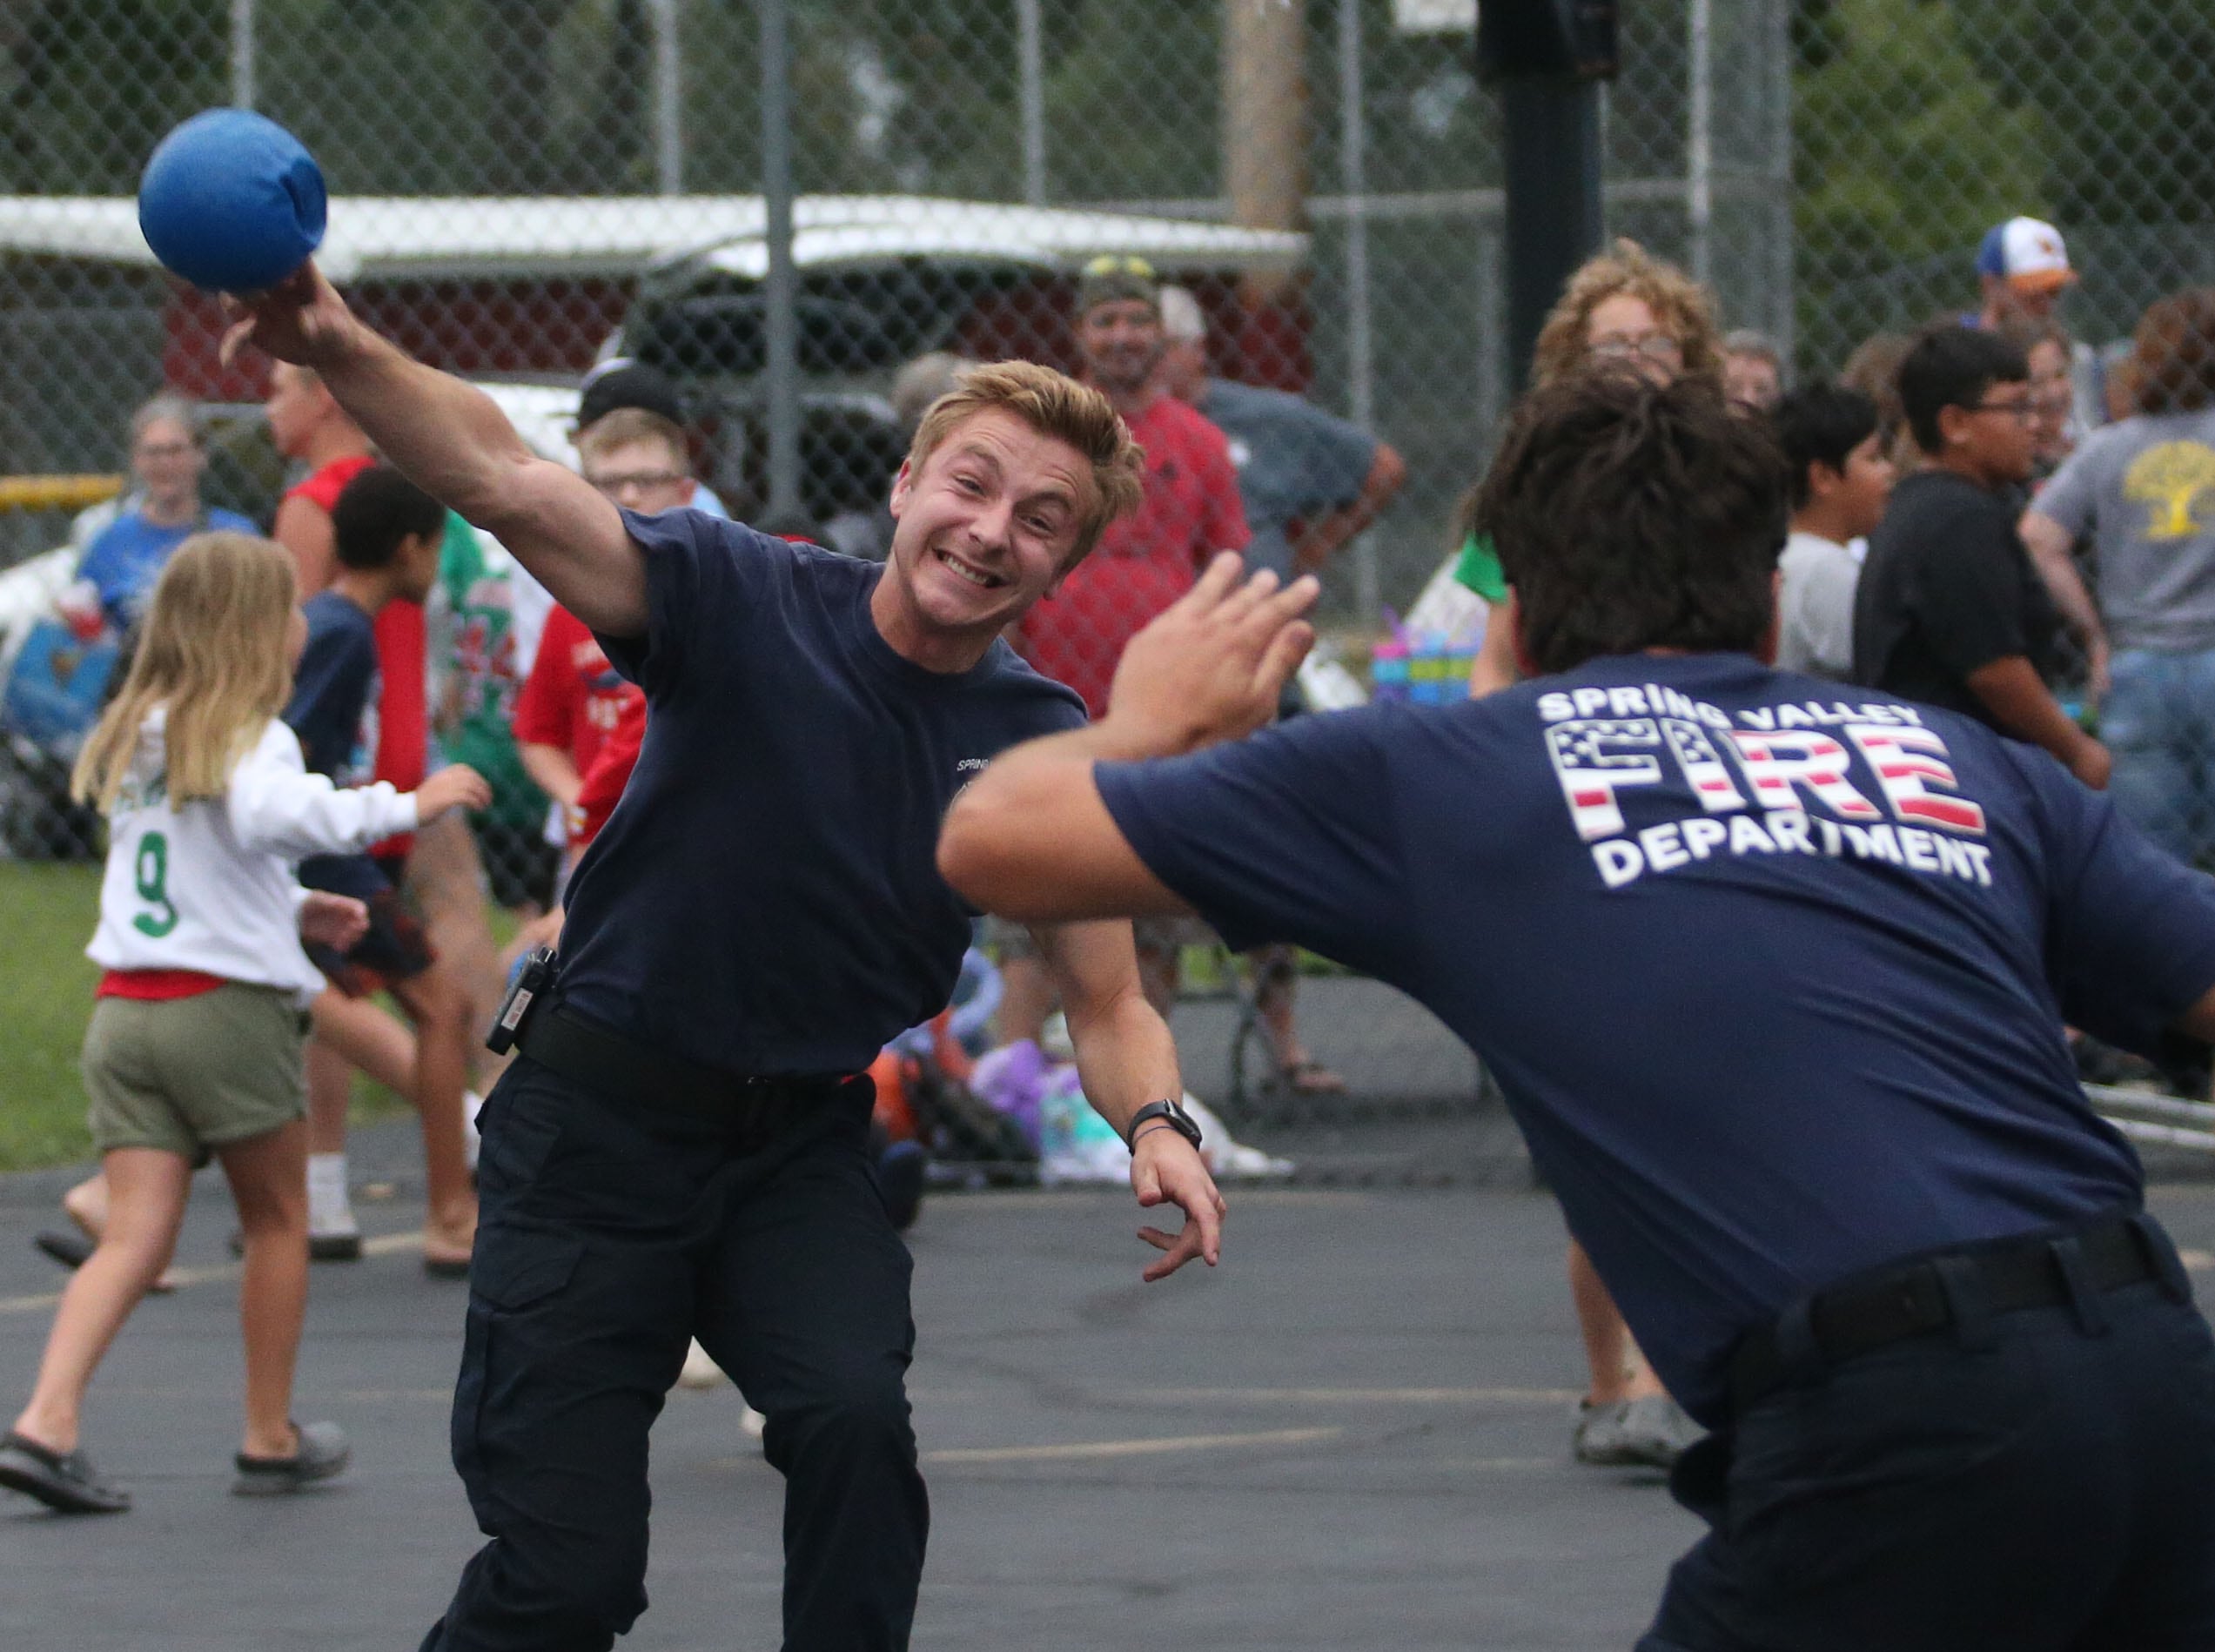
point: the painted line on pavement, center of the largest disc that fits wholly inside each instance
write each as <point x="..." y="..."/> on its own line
<point x="1096" y="1449"/>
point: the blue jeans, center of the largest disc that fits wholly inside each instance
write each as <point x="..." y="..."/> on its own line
<point x="2159" y="724"/>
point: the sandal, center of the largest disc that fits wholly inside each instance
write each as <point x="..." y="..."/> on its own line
<point x="1311" y="1077"/>
<point x="322" y="1451"/>
<point x="65" y="1480"/>
<point x="73" y="1250"/>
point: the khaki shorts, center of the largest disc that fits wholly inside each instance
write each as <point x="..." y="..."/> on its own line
<point x="187" y="1075"/>
<point x="1010" y="940"/>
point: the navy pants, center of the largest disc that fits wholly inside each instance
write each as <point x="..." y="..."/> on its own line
<point x="2040" y="1481"/>
<point x="609" y="1235"/>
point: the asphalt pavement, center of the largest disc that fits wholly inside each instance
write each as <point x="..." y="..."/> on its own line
<point x="1353" y="1434"/>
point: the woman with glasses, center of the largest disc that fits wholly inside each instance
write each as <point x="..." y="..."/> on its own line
<point x="163" y="510"/>
<point x="1624" y="308"/>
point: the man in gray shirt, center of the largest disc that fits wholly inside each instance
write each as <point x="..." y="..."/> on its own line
<point x="1309" y="483"/>
<point x="2143" y="490"/>
<point x="1297" y="464"/>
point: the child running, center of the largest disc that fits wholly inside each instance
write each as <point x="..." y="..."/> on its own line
<point x="195" y="1041"/>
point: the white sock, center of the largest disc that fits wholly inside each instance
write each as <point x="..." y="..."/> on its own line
<point x="328" y="1208"/>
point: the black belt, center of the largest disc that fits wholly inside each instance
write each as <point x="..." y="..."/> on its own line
<point x="757" y="1108"/>
<point x="1913" y="1299"/>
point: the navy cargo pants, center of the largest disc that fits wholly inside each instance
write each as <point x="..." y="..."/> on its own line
<point x="2034" y="1481"/>
<point x="610" y="1234"/>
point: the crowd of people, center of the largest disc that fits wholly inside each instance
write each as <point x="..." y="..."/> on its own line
<point x="535" y="695"/>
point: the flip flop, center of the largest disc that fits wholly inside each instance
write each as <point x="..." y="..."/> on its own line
<point x="65" y="1480"/>
<point x="73" y="1250"/>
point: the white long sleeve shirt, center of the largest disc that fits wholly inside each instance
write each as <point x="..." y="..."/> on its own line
<point x="209" y="886"/>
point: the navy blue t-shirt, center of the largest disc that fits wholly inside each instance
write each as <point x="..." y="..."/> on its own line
<point x="765" y="898"/>
<point x="333" y="710"/>
<point x="334" y="690"/>
<point x="1774" y="979"/>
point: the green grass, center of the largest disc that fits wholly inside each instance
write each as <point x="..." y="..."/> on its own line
<point x="46" y="916"/>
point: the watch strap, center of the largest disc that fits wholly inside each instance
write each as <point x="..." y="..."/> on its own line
<point x="1167" y="1112"/>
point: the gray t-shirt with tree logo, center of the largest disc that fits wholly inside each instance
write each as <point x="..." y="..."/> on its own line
<point x="2143" y="490"/>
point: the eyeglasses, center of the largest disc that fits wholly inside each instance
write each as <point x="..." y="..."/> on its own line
<point x="637" y="481"/>
<point x="2022" y="411"/>
<point x="1653" y="346"/>
<point x="1120" y="263"/>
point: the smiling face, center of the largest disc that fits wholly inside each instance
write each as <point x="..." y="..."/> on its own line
<point x="985" y="526"/>
<point x="1121" y="341"/>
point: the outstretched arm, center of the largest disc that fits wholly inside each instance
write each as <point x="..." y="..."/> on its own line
<point x="1126" y="1058"/>
<point x="1029" y="837"/>
<point x="451" y="440"/>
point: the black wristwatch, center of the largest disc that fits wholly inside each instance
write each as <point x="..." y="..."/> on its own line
<point x="1177" y="1119"/>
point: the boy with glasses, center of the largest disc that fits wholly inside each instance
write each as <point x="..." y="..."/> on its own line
<point x="1949" y="610"/>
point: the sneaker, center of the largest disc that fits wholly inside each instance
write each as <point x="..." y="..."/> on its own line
<point x="322" y="1451"/>
<point x="701" y="1370"/>
<point x="65" y="1480"/>
<point x="340" y="1242"/>
<point x="751" y="1422"/>
<point x="1649" y="1432"/>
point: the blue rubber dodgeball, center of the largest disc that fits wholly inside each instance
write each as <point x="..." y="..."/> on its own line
<point x="231" y="201"/>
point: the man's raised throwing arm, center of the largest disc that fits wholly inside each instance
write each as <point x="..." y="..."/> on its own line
<point x="452" y="440"/>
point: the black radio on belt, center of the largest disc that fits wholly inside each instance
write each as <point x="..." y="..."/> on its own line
<point x="530" y="985"/>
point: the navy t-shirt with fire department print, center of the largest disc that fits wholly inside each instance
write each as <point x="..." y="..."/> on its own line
<point x="1774" y="972"/>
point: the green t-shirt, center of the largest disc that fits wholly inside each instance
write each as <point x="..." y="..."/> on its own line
<point x="477" y="704"/>
<point x="1478" y="568"/>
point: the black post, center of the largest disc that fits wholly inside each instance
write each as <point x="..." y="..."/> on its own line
<point x="1551" y="147"/>
<point x="1545" y="57"/>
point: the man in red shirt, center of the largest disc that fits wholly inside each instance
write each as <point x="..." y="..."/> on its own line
<point x="1143" y="564"/>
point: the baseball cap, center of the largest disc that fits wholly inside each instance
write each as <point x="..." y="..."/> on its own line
<point x="1118" y="275"/>
<point x="2028" y="253"/>
<point x="625" y="383"/>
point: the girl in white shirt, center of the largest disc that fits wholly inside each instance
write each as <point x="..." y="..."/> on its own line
<point x="194" y="1047"/>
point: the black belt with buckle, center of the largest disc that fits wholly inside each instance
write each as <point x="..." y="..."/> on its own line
<point x="757" y="1108"/>
<point x="1912" y="1299"/>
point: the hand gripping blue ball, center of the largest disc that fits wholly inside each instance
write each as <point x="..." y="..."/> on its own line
<point x="232" y="202"/>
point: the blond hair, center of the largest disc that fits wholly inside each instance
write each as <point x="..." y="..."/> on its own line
<point x="212" y="651"/>
<point x="621" y="426"/>
<point x="1054" y="405"/>
<point x="1679" y="305"/>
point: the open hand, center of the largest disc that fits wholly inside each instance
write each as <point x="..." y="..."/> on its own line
<point x="301" y="320"/>
<point x="1166" y="1169"/>
<point x="1212" y="665"/>
<point x="456" y="786"/>
<point x="335" y="921"/>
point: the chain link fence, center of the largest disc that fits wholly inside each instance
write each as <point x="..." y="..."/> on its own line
<point x="523" y="188"/>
